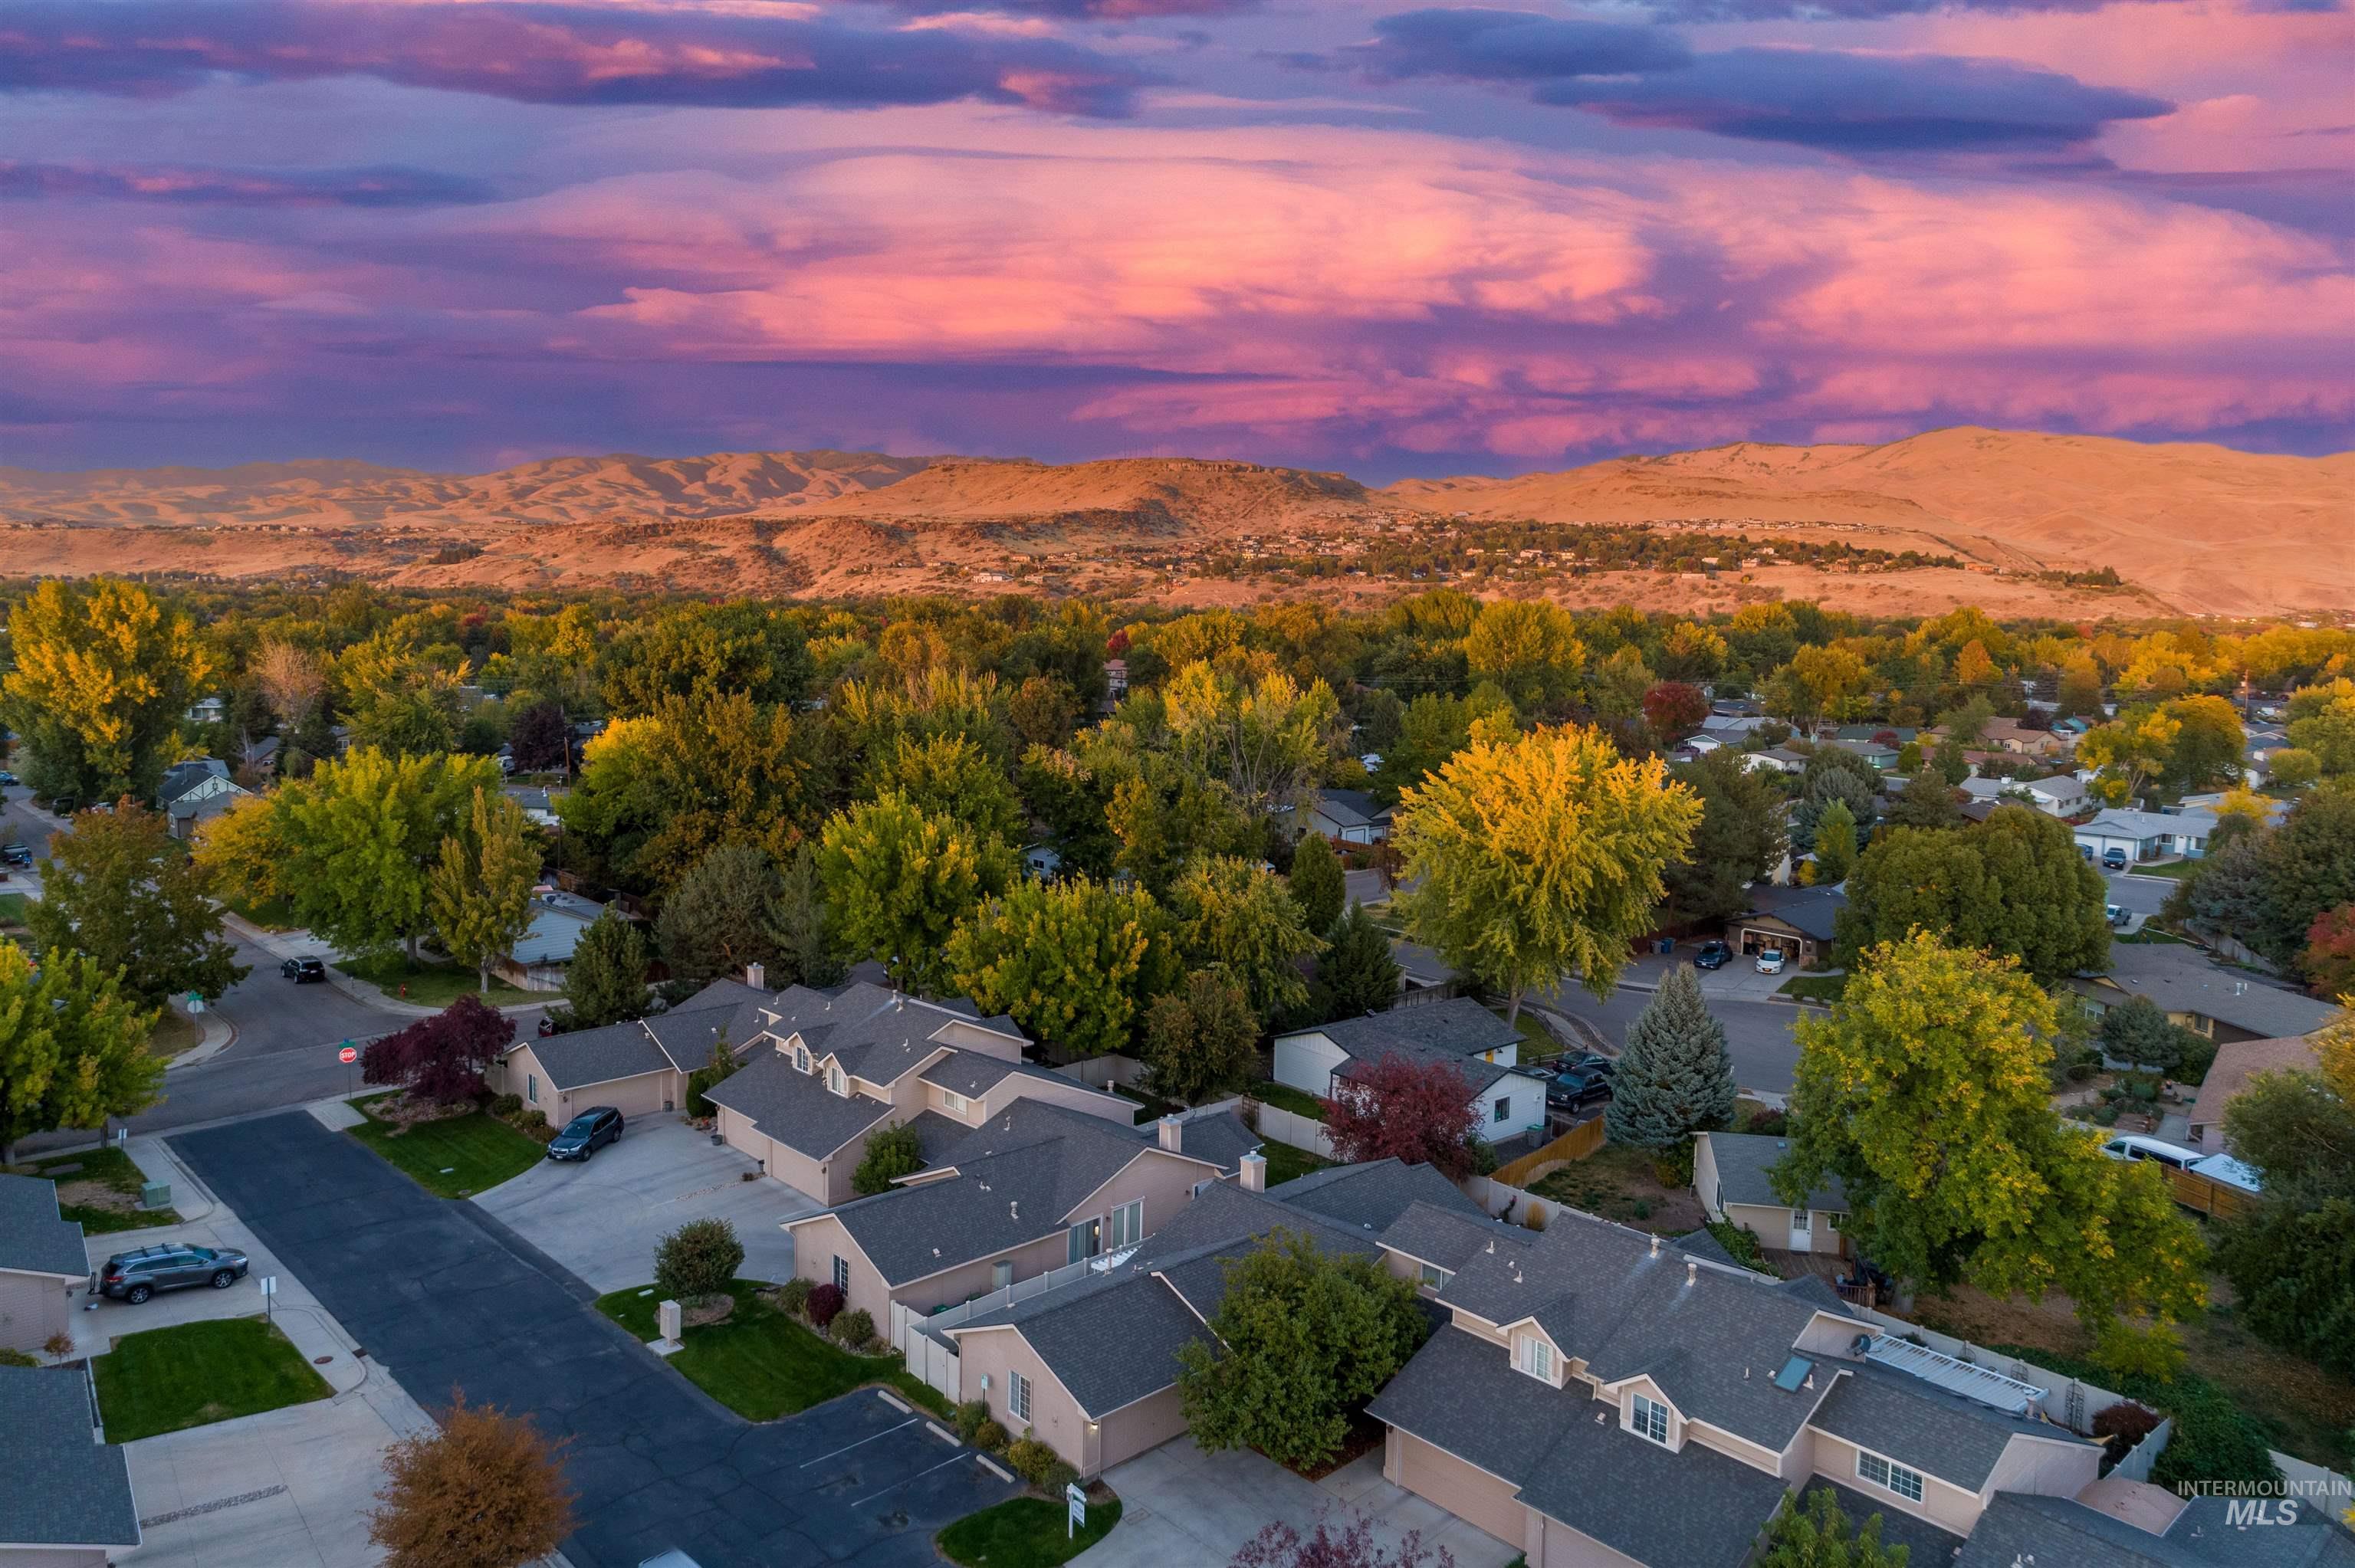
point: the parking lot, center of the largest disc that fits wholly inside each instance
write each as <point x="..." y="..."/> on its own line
<point x="601" y="1218"/>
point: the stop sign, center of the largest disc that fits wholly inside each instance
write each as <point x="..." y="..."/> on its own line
<point x="348" y="1055"/>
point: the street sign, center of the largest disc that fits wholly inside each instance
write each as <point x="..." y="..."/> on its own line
<point x="269" y="1297"/>
<point x="1078" y="1518"/>
<point x="348" y="1055"/>
<point x="269" y="1285"/>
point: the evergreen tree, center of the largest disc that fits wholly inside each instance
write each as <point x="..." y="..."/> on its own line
<point x="1357" y="975"/>
<point x="1318" y="885"/>
<point x="606" y="981"/>
<point x="721" y="916"/>
<point x="806" y="953"/>
<point x="1675" y="1077"/>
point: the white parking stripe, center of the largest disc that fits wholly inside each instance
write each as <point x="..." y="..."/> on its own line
<point x="847" y="1447"/>
<point x="919" y="1475"/>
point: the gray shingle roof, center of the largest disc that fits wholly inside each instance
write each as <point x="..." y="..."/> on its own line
<point x="794" y="1108"/>
<point x="1937" y="1433"/>
<point x="1810" y="910"/>
<point x="2016" y="1525"/>
<point x="2205" y="1529"/>
<point x="588" y="1056"/>
<point x="33" y="1239"/>
<point x="974" y="1074"/>
<point x="1743" y="1160"/>
<point x="57" y="1486"/>
<point x="1110" y="1342"/>
<point x="2182" y="979"/>
<point x="876" y="1032"/>
<point x="1372" y="1195"/>
<point x="1445" y="1237"/>
<point x="1458" y="1026"/>
<point x="1352" y="807"/>
<point x="1220" y="1138"/>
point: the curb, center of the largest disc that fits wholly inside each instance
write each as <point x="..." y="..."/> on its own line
<point x="208" y="1048"/>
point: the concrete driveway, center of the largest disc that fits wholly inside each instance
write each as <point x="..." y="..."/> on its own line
<point x="1179" y="1505"/>
<point x="602" y="1217"/>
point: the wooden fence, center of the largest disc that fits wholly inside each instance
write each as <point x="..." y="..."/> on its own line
<point x="1576" y="1144"/>
<point x="2206" y="1195"/>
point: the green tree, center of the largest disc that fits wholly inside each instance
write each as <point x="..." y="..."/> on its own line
<point x="119" y="889"/>
<point x="698" y="1260"/>
<point x="1927" y="1093"/>
<point x="722" y="915"/>
<point x="102" y="675"/>
<point x="1435" y="727"/>
<point x="1740" y="839"/>
<point x="479" y="892"/>
<point x="950" y="776"/>
<point x="1358" y="973"/>
<point x="894" y="1152"/>
<point x="1833" y="773"/>
<point x="2081" y="687"/>
<point x="1074" y="962"/>
<point x="2208" y="741"/>
<point x="1926" y="801"/>
<point x="1528" y="647"/>
<point x="2292" y="1264"/>
<point x="898" y="881"/>
<point x="1675" y="1077"/>
<point x="1304" y="1339"/>
<point x="1530" y="858"/>
<point x="73" y="1047"/>
<point x="805" y="946"/>
<point x="2013" y="884"/>
<point x="2308" y="869"/>
<point x="2322" y="725"/>
<point x="2292" y="768"/>
<point x="1318" y="884"/>
<point x="400" y="700"/>
<point x="2136" y="1031"/>
<point x="606" y="980"/>
<point x="1820" y="684"/>
<point x="1834" y="842"/>
<point x="1232" y="914"/>
<point x="358" y="835"/>
<point x="1818" y="1535"/>
<point x="1200" y="1040"/>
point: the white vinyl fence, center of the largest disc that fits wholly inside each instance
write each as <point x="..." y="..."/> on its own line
<point x="936" y="1360"/>
<point x="1299" y="1131"/>
<point x="2136" y="1466"/>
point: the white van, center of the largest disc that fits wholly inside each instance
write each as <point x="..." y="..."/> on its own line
<point x="2229" y="1172"/>
<point x="2135" y="1145"/>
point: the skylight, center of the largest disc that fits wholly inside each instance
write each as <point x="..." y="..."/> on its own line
<point x="1794" y="1372"/>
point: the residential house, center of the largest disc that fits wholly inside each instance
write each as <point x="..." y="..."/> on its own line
<point x="1600" y="1397"/>
<point x="1880" y="753"/>
<point x="2147" y="835"/>
<point x="2014" y="738"/>
<point x="1044" y="862"/>
<point x="207" y="710"/>
<point x="2236" y="1063"/>
<point x="65" y="1492"/>
<point x="2062" y="795"/>
<point x="1732" y="729"/>
<point x="2071" y="730"/>
<point x="1778" y="758"/>
<point x="2193" y="991"/>
<point x="1458" y="1030"/>
<point x="639" y="1067"/>
<point x="197" y="791"/>
<point x="1730" y="1178"/>
<point x="1797" y="921"/>
<point x="1091" y="1366"/>
<point x="42" y="1265"/>
<point x="2020" y="1528"/>
<point x="831" y="1068"/>
<point x="543" y="954"/>
<point x="1349" y="817"/>
<point x="1033" y="1187"/>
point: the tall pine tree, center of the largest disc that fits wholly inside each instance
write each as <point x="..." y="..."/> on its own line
<point x="1357" y="974"/>
<point x="606" y="981"/>
<point x="1318" y="885"/>
<point x="1675" y="1077"/>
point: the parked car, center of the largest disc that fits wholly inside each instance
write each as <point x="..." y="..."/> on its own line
<point x="1571" y="1090"/>
<point x="587" y="1133"/>
<point x="7" y="777"/>
<point x="134" y="1276"/>
<point x="2114" y="858"/>
<point x="1770" y="962"/>
<point x="1587" y="1062"/>
<point x="1712" y="956"/>
<point x="2117" y="914"/>
<point x="304" y="972"/>
<point x="547" y="1026"/>
<point x="2136" y="1146"/>
<point x="15" y="854"/>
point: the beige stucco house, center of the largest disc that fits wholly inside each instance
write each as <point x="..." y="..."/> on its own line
<point x="43" y="1264"/>
<point x="1730" y="1178"/>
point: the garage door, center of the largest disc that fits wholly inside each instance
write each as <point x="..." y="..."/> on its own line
<point x="1470" y="1494"/>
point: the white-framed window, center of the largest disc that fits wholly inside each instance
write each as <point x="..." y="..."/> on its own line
<point x="800" y="1058"/>
<point x="1001" y="1273"/>
<point x="1537" y="1357"/>
<point x="532" y="1088"/>
<point x="836" y="1082"/>
<point x="1435" y="1278"/>
<point x="842" y="1276"/>
<point x="954" y="1102"/>
<point x="1086" y="1241"/>
<point x="1124" y="1226"/>
<point x="1504" y="1110"/>
<point x="1801" y="1221"/>
<point x="1889" y="1478"/>
<point x="1017" y="1396"/>
<point x="1650" y="1418"/>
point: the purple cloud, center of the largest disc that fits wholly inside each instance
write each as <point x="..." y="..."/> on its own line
<point x="387" y="186"/>
<point x="1481" y="45"/>
<point x="550" y="54"/>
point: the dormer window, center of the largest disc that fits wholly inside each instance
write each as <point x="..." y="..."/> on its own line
<point x="1648" y="1418"/>
<point x="1537" y="1358"/>
<point x="954" y="1102"/>
<point x="836" y="1082"/>
<point x="800" y="1058"/>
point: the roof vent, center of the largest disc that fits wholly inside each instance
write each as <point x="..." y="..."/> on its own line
<point x="1692" y="1271"/>
<point x="1014" y="1208"/>
<point x="1601" y="1416"/>
<point x="1655" y="1245"/>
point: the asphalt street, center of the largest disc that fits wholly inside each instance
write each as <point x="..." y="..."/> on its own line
<point x="443" y="1296"/>
<point x="1757" y="1033"/>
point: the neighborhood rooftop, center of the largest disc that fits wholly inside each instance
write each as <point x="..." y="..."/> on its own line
<point x="33" y="1239"/>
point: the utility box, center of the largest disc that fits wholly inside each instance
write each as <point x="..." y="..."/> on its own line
<point x="155" y="1194"/>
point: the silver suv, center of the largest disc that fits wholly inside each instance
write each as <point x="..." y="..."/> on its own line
<point x="135" y="1276"/>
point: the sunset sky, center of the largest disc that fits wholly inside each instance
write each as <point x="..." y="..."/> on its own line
<point x="458" y="234"/>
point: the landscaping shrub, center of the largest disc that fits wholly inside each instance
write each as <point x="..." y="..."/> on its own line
<point x="2121" y="1426"/>
<point x="1059" y="1476"/>
<point x="1534" y="1219"/>
<point x="9" y="1358"/>
<point x="989" y="1438"/>
<point x="1031" y="1459"/>
<point x="825" y="1304"/>
<point x="794" y="1295"/>
<point x="697" y="1259"/>
<point x="1769" y="1123"/>
<point x="967" y="1417"/>
<point x="853" y="1328"/>
<point x="1741" y="1242"/>
<point x="505" y="1107"/>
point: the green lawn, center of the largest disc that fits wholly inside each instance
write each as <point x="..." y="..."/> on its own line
<point x="109" y="1168"/>
<point x="1541" y="1043"/>
<point x="1816" y="988"/>
<point x="763" y="1364"/>
<point x="2177" y="869"/>
<point x="1284" y="1097"/>
<point x="1025" y="1533"/>
<point x="270" y="913"/>
<point x="2151" y="936"/>
<point x="430" y="984"/>
<point x="1284" y="1163"/>
<point x="11" y="908"/>
<point x="165" y="1380"/>
<point x="453" y="1159"/>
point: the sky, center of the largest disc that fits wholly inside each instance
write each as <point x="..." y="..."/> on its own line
<point x="1345" y="234"/>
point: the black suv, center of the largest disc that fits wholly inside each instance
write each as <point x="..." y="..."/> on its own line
<point x="1575" y="1089"/>
<point x="304" y="972"/>
<point x="585" y="1134"/>
<point x="135" y="1276"/>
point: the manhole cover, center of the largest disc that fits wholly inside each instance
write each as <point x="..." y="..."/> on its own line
<point x="321" y="1360"/>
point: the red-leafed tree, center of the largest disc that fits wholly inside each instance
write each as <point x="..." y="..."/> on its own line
<point x="1674" y="710"/>
<point x="440" y="1058"/>
<point x="1421" y="1113"/>
<point x="2329" y="957"/>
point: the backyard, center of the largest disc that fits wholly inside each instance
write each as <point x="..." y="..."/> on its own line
<point x="761" y="1362"/>
<point x="457" y="1157"/>
<point x="1284" y="1097"/>
<point x="166" y="1380"/>
<point x="1618" y="1183"/>
<point x="430" y="984"/>
<point x="1284" y="1163"/>
<point x="100" y="1187"/>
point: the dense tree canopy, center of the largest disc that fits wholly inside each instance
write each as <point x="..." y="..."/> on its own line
<point x="119" y="889"/>
<point x="73" y="1047"/>
<point x="2013" y="884"/>
<point x="1075" y="963"/>
<point x="1738" y="842"/>
<point x="102" y="673"/>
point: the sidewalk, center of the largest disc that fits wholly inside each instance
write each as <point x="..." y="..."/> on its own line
<point x="220" y="1034"/>
<point x="284" y="944"/>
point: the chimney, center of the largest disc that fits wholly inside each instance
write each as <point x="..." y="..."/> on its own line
<point x="1254" y="1172"/>
<point x="1173" y="1135"/>
<point x="757" y="976"/>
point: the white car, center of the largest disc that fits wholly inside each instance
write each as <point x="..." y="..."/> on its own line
<point x="1770" y="962"/>
<point x="2138" y="1146"/>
